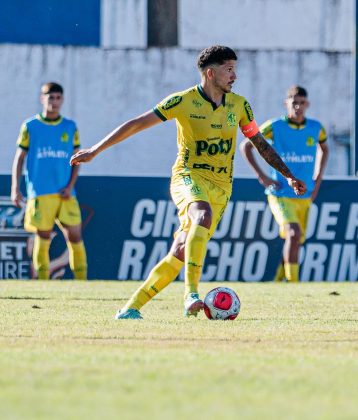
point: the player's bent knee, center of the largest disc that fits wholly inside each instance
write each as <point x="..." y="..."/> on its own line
<point x="200" y="213"/>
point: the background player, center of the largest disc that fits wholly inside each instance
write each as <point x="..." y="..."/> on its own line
<point x="207" y="117"/>
<point x="298" y="140"/>
<point x="46" y="141"/>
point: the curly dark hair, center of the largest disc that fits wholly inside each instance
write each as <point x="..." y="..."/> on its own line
<point x="215" y="54"/>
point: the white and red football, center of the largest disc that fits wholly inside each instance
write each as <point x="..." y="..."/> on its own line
<point x="222" y="303"/>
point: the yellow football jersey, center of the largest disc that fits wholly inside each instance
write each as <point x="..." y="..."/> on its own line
<point x="206" y="133"/>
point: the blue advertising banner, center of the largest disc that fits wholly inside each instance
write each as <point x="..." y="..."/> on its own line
<point x="129" y="224"/>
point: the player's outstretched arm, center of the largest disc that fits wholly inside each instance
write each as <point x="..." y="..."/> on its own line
<point x="125" y="130"/>
<point x="269" y="154"/>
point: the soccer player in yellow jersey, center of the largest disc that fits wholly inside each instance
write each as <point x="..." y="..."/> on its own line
<point x="46" y="142"/>
<point x="208" y="116"/>
<point x="299" y="141"/>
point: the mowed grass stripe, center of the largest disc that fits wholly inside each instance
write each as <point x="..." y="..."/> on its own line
<point x="291" y="353"/>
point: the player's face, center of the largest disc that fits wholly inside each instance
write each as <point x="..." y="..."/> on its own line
<point x="297" y="107"/>
<point x="224" y="76"/>
<point x="52" y="102"/>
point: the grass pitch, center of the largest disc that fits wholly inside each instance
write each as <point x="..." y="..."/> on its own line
<point x="291" y="354"/>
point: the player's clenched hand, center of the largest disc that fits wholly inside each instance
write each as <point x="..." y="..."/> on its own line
<point x="84" y="155"/>
<point x="298" y="186"/>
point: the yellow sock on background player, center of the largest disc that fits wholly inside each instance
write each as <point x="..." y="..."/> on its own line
<point x="78" y="259"/>
<point x="40" y="257"/>
<point x="280" y="273"/>
<point x="292" y="272"/>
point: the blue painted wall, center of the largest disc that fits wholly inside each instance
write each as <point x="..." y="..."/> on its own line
<point x="59" y="22"/>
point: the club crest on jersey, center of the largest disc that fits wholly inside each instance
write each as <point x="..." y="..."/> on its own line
<point x="172" y="102"/>
<point x="197" y="103"/>
<point x="64" y="137"/>
<point x="249" y="113"/>
<point x="310" y="141"/>
<point x="231" y="119"/>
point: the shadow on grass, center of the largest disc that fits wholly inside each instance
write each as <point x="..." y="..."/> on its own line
<point x="23" y="298"/>
<point x="67" y="299"/>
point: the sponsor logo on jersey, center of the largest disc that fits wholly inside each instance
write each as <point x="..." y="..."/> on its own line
<point x="206" y="166"/>
<point x="198" y="117"/>
<point x="231" y="119"/>
<point x="172" y="102"/>
<point x="64" y="137"/>
<point x="218" y="126"/>
<point x="310" y="141"/>
<point x="48" y="152"/>
<point x="197" y="103"/>
<point x="212" y="149"/>
<point x="294" y="158"/>
<point x="249" y="113"/>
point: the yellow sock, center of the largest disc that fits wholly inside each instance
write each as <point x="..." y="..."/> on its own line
<point x="41" y="258"/>
<point x="195" y="250"/>
<point x="161" y="275"/>
<point x="291" y="271"/>
<point x="280" y="273"/>
<point x="78" y="259"/>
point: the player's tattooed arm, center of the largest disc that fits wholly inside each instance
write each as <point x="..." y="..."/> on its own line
<point x="269" y="154"/>
<point x="273" y="159"/>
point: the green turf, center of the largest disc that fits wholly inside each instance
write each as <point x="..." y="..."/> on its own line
<point x="291" y="354"/>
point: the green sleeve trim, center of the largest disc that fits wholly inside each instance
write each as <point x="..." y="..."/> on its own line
<point x="159" y="114"/>
<point x="23" y="147"/>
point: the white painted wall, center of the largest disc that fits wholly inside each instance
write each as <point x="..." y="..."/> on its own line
<point x="267" y="24"/>
<point x="124" y="23"/>
<point x="104" y="87"/>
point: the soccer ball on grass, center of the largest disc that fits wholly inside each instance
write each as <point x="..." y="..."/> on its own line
<point x="222" y="303"/>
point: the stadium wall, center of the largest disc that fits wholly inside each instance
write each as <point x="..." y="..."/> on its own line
<point x="120" y="77"/>
<point x="129" y="223"/>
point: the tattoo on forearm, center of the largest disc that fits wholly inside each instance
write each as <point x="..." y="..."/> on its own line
<point x="269" y="154"/>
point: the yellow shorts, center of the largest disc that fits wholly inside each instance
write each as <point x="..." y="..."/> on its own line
<point x="188" y="188"/>
<point x="43" y="211"/>
<point x="290" y="210"/>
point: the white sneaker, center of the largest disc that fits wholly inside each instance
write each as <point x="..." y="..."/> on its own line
<point x="193" y="304"/>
